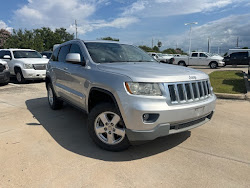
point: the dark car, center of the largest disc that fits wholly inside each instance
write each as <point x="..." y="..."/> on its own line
<point x="237" y="58"/>
<point x="47" y="53"/>
<point x="4" y="73"/>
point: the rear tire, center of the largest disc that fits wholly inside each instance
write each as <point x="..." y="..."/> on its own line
<point x="53" y="100"/>
<point x="182" y="63"/>
<point x="19" y="77"/>
<point x="106" y="128"/>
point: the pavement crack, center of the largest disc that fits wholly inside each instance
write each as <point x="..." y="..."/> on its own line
<point x="214" y="155"/>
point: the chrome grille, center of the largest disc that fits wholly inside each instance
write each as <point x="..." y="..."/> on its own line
<point x="39" y="66"/>
<point x="186" y="92"/>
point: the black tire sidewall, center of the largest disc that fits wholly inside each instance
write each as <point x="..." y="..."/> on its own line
<point x="21" y="75"/>
<point x="98" y="109"/>
<point x="57" y="104"/>
<point x="215" y="64"/>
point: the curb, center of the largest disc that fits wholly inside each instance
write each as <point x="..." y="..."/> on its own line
<point x="245" y="96"/>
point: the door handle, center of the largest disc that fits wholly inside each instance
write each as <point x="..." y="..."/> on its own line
<point x="65" y="68"/>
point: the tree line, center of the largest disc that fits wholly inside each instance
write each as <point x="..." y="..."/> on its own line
<point x="42" y="39"/>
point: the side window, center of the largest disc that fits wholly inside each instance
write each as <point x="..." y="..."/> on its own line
<point x="8" y="53"/>
<point x="76" y="49"/>
<point x="55" y="54"/>
<point x="203" y="55"/>
<point x="2" y="53"/>
<point x="243" y="54"/>
<point x="63" y="53"/>
<point x="194" y="54"/>
<point x="235" y="55"/>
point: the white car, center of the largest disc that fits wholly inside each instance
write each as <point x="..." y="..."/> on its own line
<point x="200" y="59"/>
<point x="159" y="57"/>
<point x="25" y="64"/>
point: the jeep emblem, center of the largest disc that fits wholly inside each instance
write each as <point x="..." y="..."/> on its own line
<point x="192" y="77"/>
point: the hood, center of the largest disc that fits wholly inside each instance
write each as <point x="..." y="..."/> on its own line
<point x="33" y="60"/>
<point x="153" y="72"/>
<point x="217" y="57"/>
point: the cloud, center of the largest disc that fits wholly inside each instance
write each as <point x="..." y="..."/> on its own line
<point x="58" y="13"/>
<point x="164" y="8"/>
<point x="3" y="25"/>
<point x="222" y="33"/>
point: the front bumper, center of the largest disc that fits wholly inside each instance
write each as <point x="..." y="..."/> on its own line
<point x="32" y="74"/>
<point x="169" y="116"/>
<point x="221" y="64"/>
<point x="167" y="129"/>
<point x="4" y="76"/>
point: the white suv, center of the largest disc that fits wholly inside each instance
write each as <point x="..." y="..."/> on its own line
<point x="25" y="64"/>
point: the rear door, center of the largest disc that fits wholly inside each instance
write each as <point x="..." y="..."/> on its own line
<point x="194" y="59"/>
<point x="61" y="71"/>
<point x="244" y="58"/>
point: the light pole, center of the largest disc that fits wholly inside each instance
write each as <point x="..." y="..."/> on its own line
<point x="190" y="35"/>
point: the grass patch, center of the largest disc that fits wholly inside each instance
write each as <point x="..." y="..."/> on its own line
<point x="231" y="82"/>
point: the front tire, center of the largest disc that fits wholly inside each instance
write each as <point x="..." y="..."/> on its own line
<point x="106" y="128"/>
<point x="19" y="77"/>
<point x="213" y="65"/>
<point x="53" y="100"/>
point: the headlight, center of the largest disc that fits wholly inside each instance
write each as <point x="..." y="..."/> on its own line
<point x="149" y="89"/>
<point x="28" y="66"/>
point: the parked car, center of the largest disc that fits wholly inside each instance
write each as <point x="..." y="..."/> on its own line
<point x="25" y="64"/>
<point x="168" y="57"/>
<point x="159" y="57"/>
<point x="237" y="57"/>
<point x="127" y="95"/>
<point x="199" y="59"/>
<point x="4" y="72"/>
<point x="47" y="54"/>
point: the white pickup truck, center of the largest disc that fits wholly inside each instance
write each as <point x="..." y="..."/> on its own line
<point x="200" y="59"/>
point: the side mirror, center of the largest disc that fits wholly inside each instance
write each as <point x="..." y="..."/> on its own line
<point x="44" y="56"/>
<point x="74" y="58"/>
<point x="6" y="57"/>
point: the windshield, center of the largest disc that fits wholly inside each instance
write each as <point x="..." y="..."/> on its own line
<point x="113" y="52"/>
<point x="26" y="54"/>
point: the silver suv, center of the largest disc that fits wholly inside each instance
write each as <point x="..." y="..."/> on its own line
<point x="127" y="95"/>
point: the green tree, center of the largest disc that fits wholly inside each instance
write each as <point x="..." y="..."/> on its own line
<point x="156" y="49"/>
<point x="4" y="35"/>
<point x="38" y="39"/>
<point x="159" y="44"/>
<point x="110" y="38"/>
<point x="146" y="48"/>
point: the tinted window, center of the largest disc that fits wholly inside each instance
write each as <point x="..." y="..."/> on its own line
<point x="114" y="52"/>
<point x="203" y="55"/>
<point x="76" y="49"/>
<point x="194" y="54"/>
<point x="26" y="54"/>
<point x="55" y="54"/>
<point x="2" y="53"/>
<point x="63" y="53"/>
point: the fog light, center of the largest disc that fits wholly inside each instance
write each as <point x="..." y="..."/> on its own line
<point x="150" y="118"/>
<point x="145" y="117"/>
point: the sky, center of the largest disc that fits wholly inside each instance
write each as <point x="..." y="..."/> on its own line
<point x="138" y="22"/>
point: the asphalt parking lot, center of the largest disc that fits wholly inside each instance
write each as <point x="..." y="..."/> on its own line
<point x="44" y="148"/>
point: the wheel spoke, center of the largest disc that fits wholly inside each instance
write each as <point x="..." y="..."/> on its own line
<point x="110" y="138"/>
<point x="104" y="118"/>
<point x="120" y="132"/>
<point x="115" y="119"/>
<point x="100" y="130"/>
